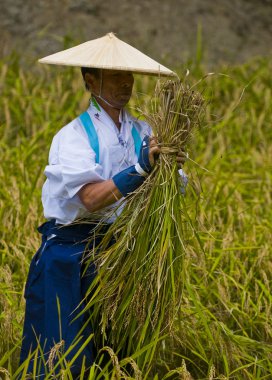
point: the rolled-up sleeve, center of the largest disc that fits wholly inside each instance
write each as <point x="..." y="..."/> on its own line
<point x="71" y="164"/>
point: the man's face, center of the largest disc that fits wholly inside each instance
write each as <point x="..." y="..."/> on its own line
<point x="116" y="87"/>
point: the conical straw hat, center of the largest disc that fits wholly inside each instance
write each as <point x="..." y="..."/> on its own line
<point x="108" y="52"/>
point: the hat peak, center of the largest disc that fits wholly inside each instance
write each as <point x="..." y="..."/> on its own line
<point x="111" y="35"/>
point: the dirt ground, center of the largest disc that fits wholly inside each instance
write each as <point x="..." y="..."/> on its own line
<point x="232" y="31"/>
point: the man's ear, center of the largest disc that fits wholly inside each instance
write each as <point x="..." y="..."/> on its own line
<point x="90" y="80"/>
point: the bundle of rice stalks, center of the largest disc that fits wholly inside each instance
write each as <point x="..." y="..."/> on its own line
<point x="137" y="291"/>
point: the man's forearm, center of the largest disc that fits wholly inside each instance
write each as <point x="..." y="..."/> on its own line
<point x="95" y="196"/>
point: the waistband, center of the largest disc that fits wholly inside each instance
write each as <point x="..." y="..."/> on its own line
<point x="77" y="232"/>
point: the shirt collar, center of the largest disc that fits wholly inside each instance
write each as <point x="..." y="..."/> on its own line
<point x="99" y="113"/>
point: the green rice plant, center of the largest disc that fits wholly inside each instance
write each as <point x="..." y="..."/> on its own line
<point x="222" y="328"/>
<point x="225" y="313"/>
<point x="32" y="108"/>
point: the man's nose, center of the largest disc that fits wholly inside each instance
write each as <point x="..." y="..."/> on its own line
<point x="128" y="81"/>
<point x="127" y="84"/>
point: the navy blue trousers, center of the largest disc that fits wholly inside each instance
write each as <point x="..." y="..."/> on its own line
<point x="56" y="285"/>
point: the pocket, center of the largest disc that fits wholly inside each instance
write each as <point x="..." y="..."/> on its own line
<point x="34" y="269"/>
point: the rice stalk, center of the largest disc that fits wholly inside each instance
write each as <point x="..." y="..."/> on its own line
<point x="136" y="294"/>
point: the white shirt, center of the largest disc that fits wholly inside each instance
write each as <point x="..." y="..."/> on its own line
<point x="72" y="163"/>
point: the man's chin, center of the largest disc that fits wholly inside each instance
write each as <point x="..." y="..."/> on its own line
<point x="122" y="101"/>
<point x="119" y="102"/>
<point x="125" y="99"/>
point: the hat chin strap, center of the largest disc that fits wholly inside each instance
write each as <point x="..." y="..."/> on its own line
<point x="104" y="100"/>
<point x="100" y="92"/>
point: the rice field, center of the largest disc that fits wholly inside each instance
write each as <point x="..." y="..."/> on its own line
<point x="223" y="325"/>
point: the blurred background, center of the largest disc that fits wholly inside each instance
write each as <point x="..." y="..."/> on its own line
<point x="224" y="329"/>
<point x="172" y="31"/>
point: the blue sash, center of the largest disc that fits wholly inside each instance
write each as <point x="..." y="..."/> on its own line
<point x="93" y="138"/>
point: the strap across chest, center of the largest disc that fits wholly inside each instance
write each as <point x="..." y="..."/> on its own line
<point x="88" y="125"/>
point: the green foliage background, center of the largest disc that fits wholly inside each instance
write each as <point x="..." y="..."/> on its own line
<point x="224" y="327"/>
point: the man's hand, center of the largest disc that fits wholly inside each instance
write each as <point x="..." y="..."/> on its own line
<point x="154" y="150"/>
<point x="182" y="157"/>
<point x="148" y="154"/>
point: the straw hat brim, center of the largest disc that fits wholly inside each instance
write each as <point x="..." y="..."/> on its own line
<point x="108" y="52"/>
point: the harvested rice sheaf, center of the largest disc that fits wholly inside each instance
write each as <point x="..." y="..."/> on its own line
<point x="138" y="288"/>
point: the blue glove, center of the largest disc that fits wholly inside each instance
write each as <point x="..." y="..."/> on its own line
<point x="130" y="179"/>
<point x="143" y="159"/>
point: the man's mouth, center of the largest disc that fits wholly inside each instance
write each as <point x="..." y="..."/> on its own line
<point x="125" y="94"/>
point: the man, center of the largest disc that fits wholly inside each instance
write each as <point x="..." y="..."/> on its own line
<point x="94" y="161"/>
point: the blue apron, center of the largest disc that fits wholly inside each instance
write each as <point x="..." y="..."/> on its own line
<point x="54" y="290"/>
